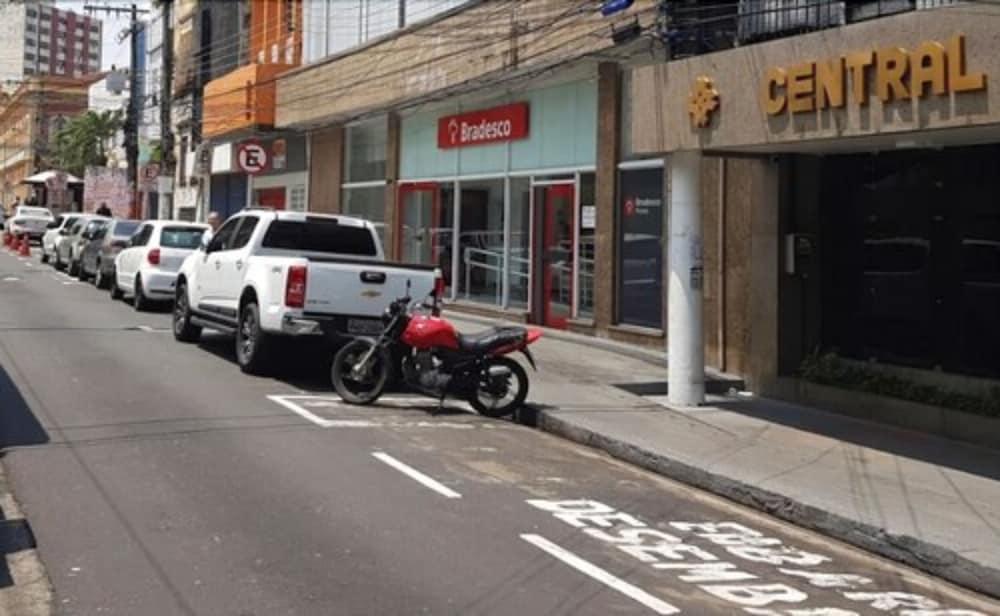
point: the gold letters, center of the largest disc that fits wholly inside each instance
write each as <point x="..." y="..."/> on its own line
<point x="927" y="66"/>
<point x="893" y="64"/>
<point x="772" y="102"/>
<point x="898" y="75"/>
<point x="858" y="62"/>
<point x="958" y="80"/>
<point x="830" y="83"/>
<point x="801" y="87"/>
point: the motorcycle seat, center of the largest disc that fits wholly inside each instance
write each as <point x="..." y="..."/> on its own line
<point x="491" y="339"/>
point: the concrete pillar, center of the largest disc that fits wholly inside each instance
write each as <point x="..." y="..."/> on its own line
<point x="326" y="151"/>
<point x="392" y="154"/>
<point x="685" y="337"/>
<point x="608" y="121"/>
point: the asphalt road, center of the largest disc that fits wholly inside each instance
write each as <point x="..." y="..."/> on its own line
<point x="158" y="479"/>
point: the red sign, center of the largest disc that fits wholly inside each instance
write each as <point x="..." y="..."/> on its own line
<point x="506" y="123"/>
<point x="251" y="158"/>
<point x="630" y="207"/>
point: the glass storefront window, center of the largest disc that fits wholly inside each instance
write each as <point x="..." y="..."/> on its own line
<point x="518" y="277"/>
<point x="640" y="241"/>
<point x="426" y="227"/>
<point x="364" y="151"/>
<point x="366" y="202"/>
<point x="586" y="221"/>
<point x="481" y="241"/>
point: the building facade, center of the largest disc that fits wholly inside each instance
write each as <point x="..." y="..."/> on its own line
<point x="239" y="117"/>
<point x="41" y="39"/>
<point x="866" y="222"/>
<point x="29" y="117"/>
<point x="496" y="156"/>
<point x="210" y="40"/>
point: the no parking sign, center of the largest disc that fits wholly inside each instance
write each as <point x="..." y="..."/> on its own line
<point x="252" y="158"/>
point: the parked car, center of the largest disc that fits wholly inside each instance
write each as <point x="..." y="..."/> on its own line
<point x="266" y="274"/>
<point x="147" y="268"/>
<point x="90" y="231"/>
<point x="33" y="221"/>
<point x="60" y="253"/>
<point x="69" y="242"/>
<point x="53" y="233"/>
<point x="98" y="258"/>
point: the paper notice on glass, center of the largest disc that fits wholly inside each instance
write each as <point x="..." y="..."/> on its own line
<point x="588" y="217"/>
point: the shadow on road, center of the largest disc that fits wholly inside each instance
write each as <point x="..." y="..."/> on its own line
<point x="18" y="425"/>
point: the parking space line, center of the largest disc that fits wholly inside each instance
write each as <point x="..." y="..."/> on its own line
<point x="633" y="592"/>
<point x="417" y="476"/>
<point x="298" y="410"/>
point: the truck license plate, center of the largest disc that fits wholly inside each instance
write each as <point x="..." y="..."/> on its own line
<point x="372" y="327"/>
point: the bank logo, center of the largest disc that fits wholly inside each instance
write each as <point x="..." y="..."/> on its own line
<point x="453" y="130"/>
<point x="702" y="102"/>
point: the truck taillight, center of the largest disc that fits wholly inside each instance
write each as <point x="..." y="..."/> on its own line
<point x="295" y="287"/>
<point x="439" y="287"/>
<point x="153" y="256"/>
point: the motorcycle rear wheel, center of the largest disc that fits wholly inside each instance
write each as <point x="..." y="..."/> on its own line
<point x="495" y="395"/>
<point x="367" y="386"/>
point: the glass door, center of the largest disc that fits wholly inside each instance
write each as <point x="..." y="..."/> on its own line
<point x="555" y="254"/>
<point x="417" y="223"/>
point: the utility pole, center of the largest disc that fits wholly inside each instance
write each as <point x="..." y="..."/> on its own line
<point x="132" y="112"/>
<point x="166" y="95"/>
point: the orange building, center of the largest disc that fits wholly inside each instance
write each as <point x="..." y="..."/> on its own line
<point x="244" y="99"/>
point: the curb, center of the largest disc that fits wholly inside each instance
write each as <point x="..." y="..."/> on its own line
<point x="933" y="559"/>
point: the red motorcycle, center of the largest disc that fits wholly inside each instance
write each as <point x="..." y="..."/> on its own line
<point x="437" y="361"/>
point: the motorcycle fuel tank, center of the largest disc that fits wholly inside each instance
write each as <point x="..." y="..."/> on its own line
<point x="426" y="332"/>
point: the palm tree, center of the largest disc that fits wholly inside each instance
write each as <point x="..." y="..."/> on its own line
<point x="82" y="141"/>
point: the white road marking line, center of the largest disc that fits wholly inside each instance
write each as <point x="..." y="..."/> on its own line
<point x="144" y="328"/>
<point x="298" y="410"/>
<point x="11" y="279"/>
<point x="417" y="476"/>
<point x="29" y="264"/>
<point x="70" y="282"/>
<point x="633" y="592"/>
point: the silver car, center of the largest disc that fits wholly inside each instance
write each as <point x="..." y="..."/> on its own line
<point x="69" y="237"/>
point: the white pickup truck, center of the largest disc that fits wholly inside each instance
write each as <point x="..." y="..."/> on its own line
<point x="265" y="274"/>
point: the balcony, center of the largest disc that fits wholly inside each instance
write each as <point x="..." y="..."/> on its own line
<point x="696" y="27"/>
<point x="241" y="99"/>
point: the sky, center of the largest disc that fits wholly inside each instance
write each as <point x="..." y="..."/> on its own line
<point x="114" y="53"/>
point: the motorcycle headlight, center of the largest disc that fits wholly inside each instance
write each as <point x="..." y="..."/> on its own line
<point x="387" y="315"/>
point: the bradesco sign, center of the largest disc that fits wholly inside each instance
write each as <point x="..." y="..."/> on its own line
<point x="506" y="123"/>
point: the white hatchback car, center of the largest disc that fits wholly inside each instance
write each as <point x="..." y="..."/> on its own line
<point x="147" y="268"/>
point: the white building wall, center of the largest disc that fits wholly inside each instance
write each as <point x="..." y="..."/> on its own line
<point x="333" y="26"/>
<point x="12" y="47"/>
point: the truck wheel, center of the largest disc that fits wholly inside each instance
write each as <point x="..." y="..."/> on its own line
<point x="74" y="267"/>
<point x="100" y="280"/>
<point x="252" y="343"/>
<point x="184" y="330"/>
<point x="81" y="274"/>
<point x="45" y="255"/>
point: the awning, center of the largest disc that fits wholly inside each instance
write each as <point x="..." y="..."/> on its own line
<point x="45" y="176"/>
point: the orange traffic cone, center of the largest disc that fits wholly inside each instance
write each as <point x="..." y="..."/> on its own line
<point x="25" y="250"/>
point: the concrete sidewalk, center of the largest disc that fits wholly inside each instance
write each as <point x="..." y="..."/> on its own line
<point x="929" y="502"/>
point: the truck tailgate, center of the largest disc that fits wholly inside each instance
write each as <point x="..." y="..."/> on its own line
<point x="365" y="289"/>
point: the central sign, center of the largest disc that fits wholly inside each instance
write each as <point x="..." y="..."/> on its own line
<point x="252" y="158"/>
<point x="506" y="123"/>
<point x="898" y="75"/>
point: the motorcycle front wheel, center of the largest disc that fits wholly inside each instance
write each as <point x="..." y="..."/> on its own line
<point x="355" y="383"/>
<point x="502" y="388"/>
